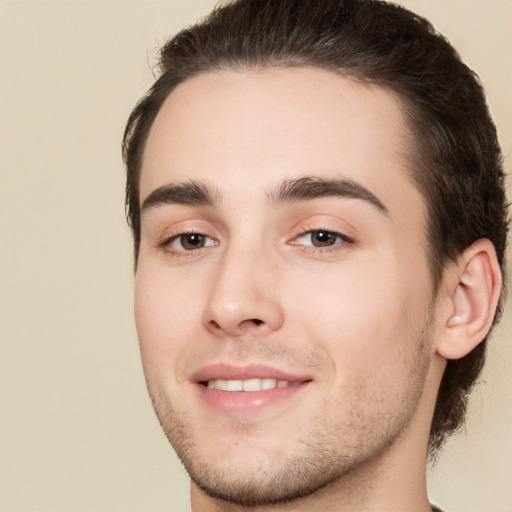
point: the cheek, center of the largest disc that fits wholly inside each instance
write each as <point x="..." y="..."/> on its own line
<point x="163" y="316"/>
<point x="363" y="317"/>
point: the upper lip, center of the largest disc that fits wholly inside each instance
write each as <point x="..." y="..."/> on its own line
<point x="252" y="371"/>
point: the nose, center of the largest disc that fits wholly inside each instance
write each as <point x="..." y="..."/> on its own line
<point x="244" y="296"/>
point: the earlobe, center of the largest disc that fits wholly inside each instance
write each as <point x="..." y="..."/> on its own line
<point x="473" y="288"/>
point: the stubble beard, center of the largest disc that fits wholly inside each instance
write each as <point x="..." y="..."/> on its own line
<point x="322" y="458"/>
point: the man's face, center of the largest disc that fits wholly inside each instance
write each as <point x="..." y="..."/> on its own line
<point x="282" y="252"/>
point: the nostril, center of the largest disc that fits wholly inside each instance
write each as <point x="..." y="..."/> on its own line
<point x="214" y="324"/>
<point x="235" y="328"/>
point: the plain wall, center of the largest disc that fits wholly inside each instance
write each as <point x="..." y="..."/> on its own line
<point x="77" y="432"/>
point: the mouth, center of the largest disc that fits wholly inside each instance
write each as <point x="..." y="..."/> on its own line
<point x="249" y="385"/>
<point x="247" y="390"/>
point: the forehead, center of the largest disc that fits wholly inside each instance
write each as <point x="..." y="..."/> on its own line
<point x="249" y="128"/>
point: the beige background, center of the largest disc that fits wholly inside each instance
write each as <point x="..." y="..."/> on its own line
<point x="77" y="432"/>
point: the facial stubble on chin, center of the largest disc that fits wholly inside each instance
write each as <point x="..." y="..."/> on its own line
<point x="322" y="457"/>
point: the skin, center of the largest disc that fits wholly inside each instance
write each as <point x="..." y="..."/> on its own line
<point x="356" y="317"/>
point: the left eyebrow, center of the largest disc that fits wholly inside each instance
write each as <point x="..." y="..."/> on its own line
<point x="309" y="187"/>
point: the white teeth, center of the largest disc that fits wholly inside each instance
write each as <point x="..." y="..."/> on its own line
<point x="268" y="383"/>
<point x="252" y="385"/>
<point x="217" y="384"/>
<point x="234" y="385"/>
<point x="249" y="384"/>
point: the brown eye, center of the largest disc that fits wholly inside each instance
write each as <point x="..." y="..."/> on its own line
<point x="187" y="242"/>
<point x="324" y="238"/>
<point x="191" y="241"/>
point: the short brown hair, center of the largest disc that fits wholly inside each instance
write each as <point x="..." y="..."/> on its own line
<point x="457" y="163"/>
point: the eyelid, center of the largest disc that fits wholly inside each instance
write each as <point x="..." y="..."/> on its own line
<point x="164" y="242"/>
<point x="328" y="223"/>
<point x="173" y="238"/>
<point x="339" y="234"/>
<point x="343" y="239"/>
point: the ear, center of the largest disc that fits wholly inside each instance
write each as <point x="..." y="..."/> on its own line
<point x="471" y="291"/>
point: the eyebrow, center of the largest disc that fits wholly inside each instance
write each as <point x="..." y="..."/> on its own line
<point x="198" y="193"/>
<point x="307" y="188"/>
<point x="191" y="193"/>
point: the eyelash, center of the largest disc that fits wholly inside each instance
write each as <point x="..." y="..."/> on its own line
<point x="343" y="240"/>
<point x="166" y="243"/>
<point x="340" y="240"/>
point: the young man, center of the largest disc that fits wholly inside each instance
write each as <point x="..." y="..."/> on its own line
<point x="316" y="195"/>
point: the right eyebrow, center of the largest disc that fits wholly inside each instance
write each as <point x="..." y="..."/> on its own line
<point x="195" y="193"/>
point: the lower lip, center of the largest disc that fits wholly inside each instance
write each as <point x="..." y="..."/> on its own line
<point x="248" y="402"/>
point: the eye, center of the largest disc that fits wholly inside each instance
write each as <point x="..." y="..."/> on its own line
<point x="322" y="238"/>
<point x="189" y="242"/>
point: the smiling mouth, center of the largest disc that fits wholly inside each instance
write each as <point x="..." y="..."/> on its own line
<point x="247" y="391"/>
<point x="250" y="385"/>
